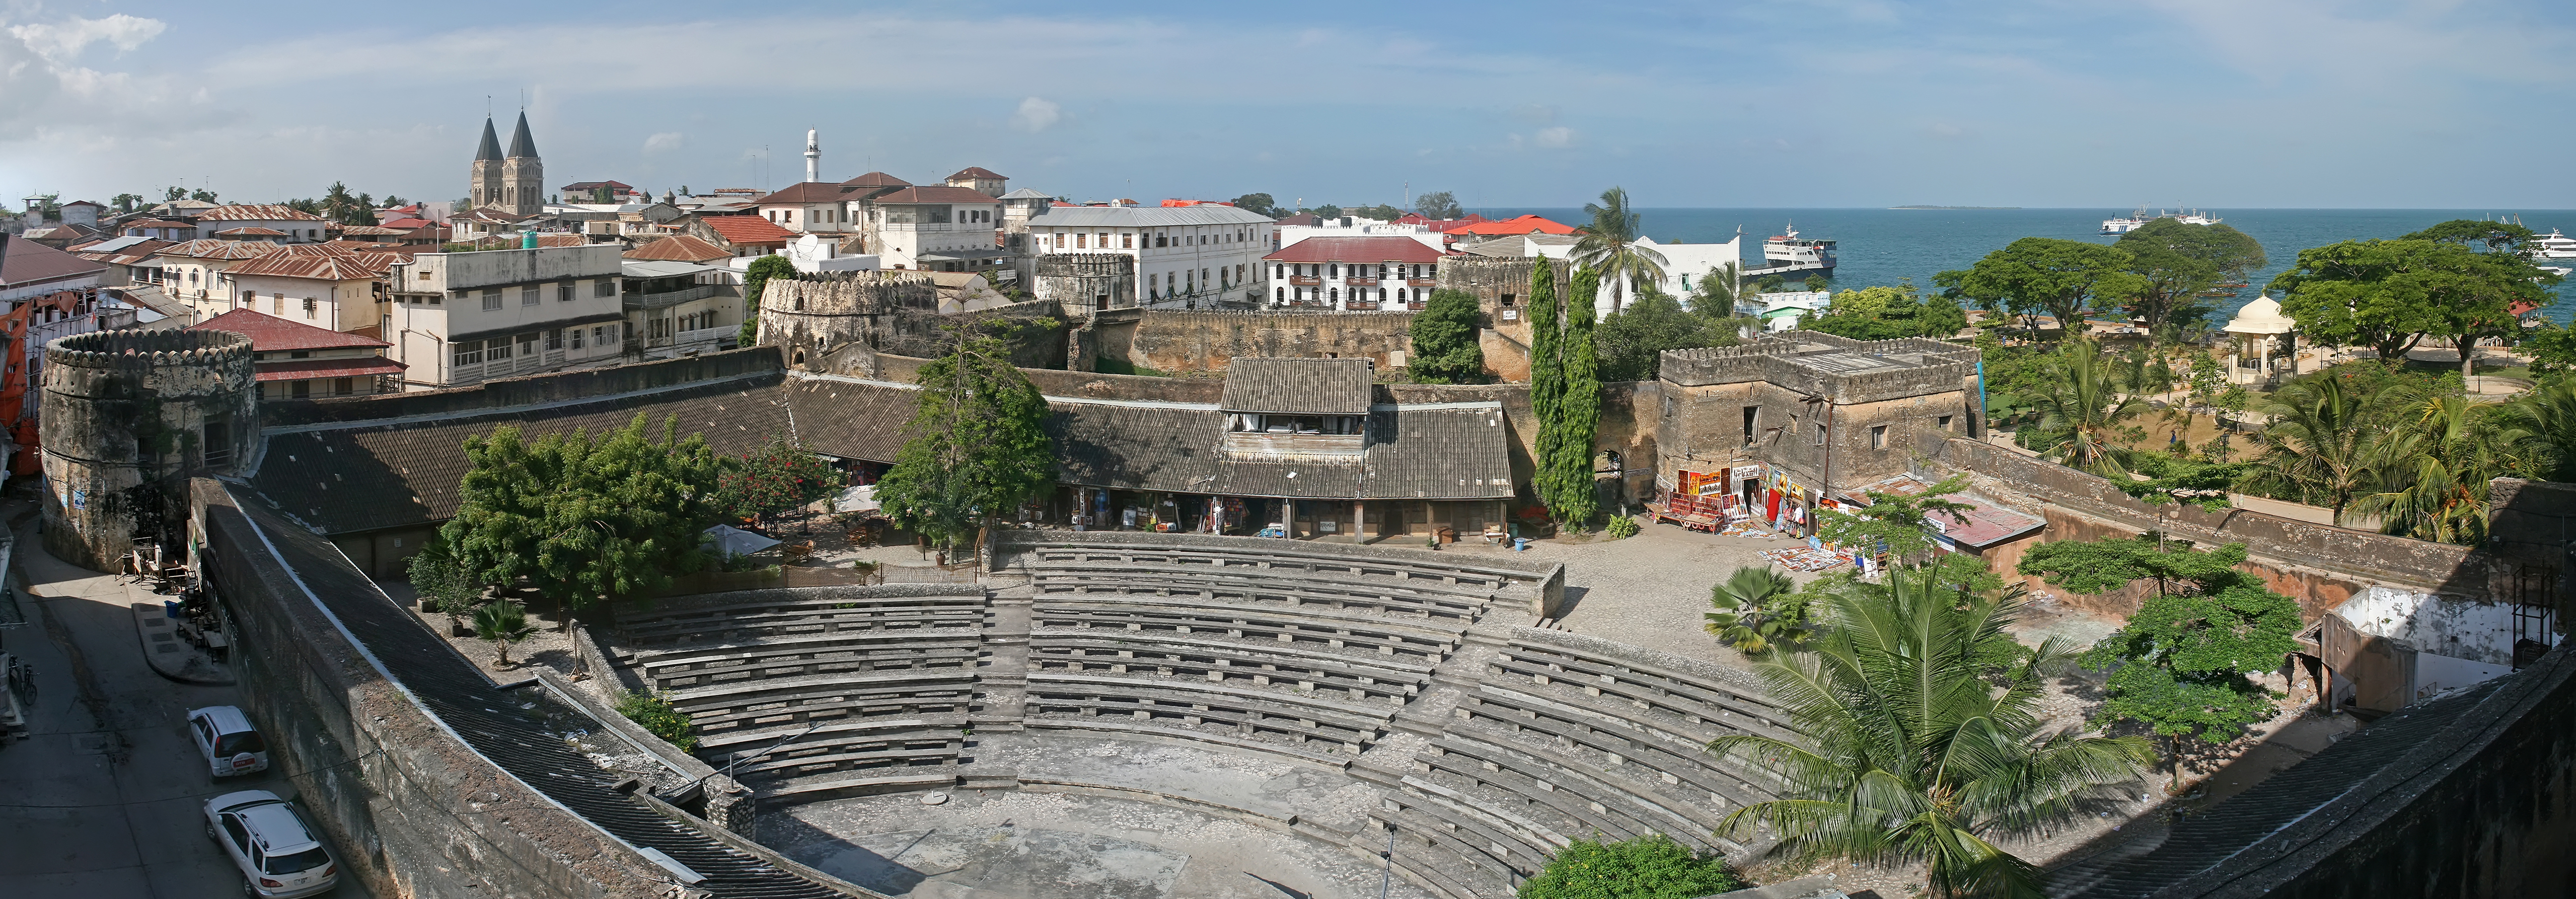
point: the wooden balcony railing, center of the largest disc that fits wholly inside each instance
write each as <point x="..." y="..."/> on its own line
<point x="1305" y="280"/>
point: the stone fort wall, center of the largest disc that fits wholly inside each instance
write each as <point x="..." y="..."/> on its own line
<point x="125" y="419"/>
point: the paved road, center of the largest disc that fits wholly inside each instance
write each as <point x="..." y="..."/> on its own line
<point x="103" y="801"/>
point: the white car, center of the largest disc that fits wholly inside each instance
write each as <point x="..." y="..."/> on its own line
<point x="272" y="844"/>
<point x="231" y="746"/>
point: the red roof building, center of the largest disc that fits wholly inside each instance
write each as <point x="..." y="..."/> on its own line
<point x="678" y="248"/>
<point x="741" y="235"/>
<point x="296" y="361"/>
<point x="1353" y="273"/>
<point x="1527" y="224"/>
<point x="29" y="269"/>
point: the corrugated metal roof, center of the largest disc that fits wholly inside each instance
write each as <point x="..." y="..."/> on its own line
<point x="809" y="192"/>
<point x="660" y="268"/>
<point x="932" y="194"/>
<point x="1298" y="386"/>
<point x="208" y="248"/>
<point x="1145" y="217"/>
<point x="1357" y="249"/>
<point x="679" y="248"/>
<point x="741" y="229"/>
<point x="257" y="212"/>
<point x="977" y="171"/>
<point x="300" y="369"/>
<point x="351" y="267"/>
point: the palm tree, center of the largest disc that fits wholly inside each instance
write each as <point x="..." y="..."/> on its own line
<point x="2320" y="444"/>
<point x="1611" y="249"/>
<point x="1749" y="619"/>
<point x="2434" y="466"/>
<point x="2542" y="425"/>
<point x="1926" y="740"/>
<point x="503" y="623"/>
<point x="2084" y="411"/>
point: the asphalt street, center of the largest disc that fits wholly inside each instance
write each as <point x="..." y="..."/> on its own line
<point x="104" y="799"/>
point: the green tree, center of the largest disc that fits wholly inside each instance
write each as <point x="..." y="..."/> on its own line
<point x="502" y="623"/>
<point x="1609" y="246"/>
<point x="1818" y="284"/>
<point x="2380" y="294"/>
<point x="1902" y="524"/>
<point x="1565" y="476"/>
<point x="655" y="713"/>
<point x="2435" y="459"/>
<point x="976" y="447"/>
<point x="1714" y="296"/>
<point x="1757" y="607"/>
<point x="2319" y="445"/>
<point x="774" y="478"/>
<point x="2062" y="278"/>
<point x="2552" y="348"/>
<point x="1257" y="204"/>
<point x="2179" y="665"/>
<point x="2501" y="284"/>
<point x="1446" y="349"/>
<point x="579" y="518"/>
<point x="2179" y="262"/>
<point x="126" y="202"/>
<point x="175" y="194"/>
<point x="436" y="576"/>
<point x="1886" y="313"/>
<point x="1328" y="211"/>
<point x="1923" y="739"/>
<point x="1632" y="341"/>
<point x="2085" y="408"/>
<point x="1381" y="212"/>
<point x="1648" y="867"/>
<point x="2491" y="236"/>
<point x="202" y="195"/>
<point x="340" y="206"/>
<point x="1547" y="377"/>
<point x="755" y="278"/>
<point x="1770" y="284"/>
<point x="1438" y="205"/>
<point x="2541" y="425"/>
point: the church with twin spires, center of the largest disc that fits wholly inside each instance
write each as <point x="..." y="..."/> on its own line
<point x="514" y="182"/>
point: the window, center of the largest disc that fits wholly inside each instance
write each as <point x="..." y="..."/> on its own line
<point x="606" y="287"/>
<point x="1878" y="437"/>
<point x="1507" y="300"/>
<point x="310" y="305"/>
<point x="528" y="295"/>
<point x="1820" y="435"/>
<point x="276" y="304"/>
<point x="470" y="353"/>
<point x="599" y="336"/>
<point x="1082" y="241"/>
<point x="576" y="338"/>
<point x="491" y="300"/>
<point x="496" y="349"/>
<point x="1127" y="241"/>
<point x="218" y="445"/>
<point x="301" y="389"/>
<point x="1944" y="422"/>
<point x="554" y="339"/>
<point x="1160" y="240"/>
<point x="1751" y="415"/>
<point x="563" y="292"/>
<point x="528" y="344"/>
<point x="1283" y="294"/>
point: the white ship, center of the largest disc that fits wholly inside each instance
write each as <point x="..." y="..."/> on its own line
<point x="2140" y="218"/>
<point x="2552" y="245"/>
<point x="1789" y="253"/>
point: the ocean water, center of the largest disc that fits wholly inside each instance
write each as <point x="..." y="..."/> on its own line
<point x="1882" y="246"/>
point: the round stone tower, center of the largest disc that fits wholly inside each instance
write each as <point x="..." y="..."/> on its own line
<point x="126" y="419"/>
<point x="810" y="317"/>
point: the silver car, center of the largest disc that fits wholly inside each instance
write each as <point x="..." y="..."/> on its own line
<point x="224" y="735"/>
<point x="272" y="844"/>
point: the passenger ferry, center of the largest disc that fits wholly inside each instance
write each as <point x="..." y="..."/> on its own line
<point x="1789" y="254"/>
<point x="2140" y="218"/>
<point x="2552" y="245"/>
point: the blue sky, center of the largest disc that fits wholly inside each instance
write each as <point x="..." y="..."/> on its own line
<point x="2212" y="103"/>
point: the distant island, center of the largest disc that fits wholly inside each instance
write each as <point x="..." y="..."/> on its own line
<point x="1954" y="207"/>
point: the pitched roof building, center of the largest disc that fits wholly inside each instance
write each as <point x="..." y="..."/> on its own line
<point x="29" y="269"/>
<point x="294" y="360"/>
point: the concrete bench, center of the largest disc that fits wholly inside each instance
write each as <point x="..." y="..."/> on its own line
<point x="1644" y="687"/>
<point x="1676" y="758"/>
<point x="858" y="754"/>
<point x="1279" y="555"/>
<point x="815" y="615"/>
<point x="1290" y="592"/>
<point x="1226" y="661"/>
<point x="754" y="704"/>
<point x="1146" y="729"/>
<point x="813" y="789"/>
<point x="1576" y="789"/>
<point x="1298" y="717"/>
<point x="1504" y="847"/>
<point x="1331" y="629"/>
<point x="811" y="655"/>
<point x="750" y="740"/>
<point x="1160" y="572"/>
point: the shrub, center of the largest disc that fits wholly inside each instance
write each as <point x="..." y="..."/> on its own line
<point x="654" y="713"/>
<point x="1649" y="867"/>
<point x="1622" y="527"/>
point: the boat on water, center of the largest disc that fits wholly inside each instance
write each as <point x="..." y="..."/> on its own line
<point x="2140" y="218"/>
<point x="2552" y="245"/>
<point x="1790" y="254"/>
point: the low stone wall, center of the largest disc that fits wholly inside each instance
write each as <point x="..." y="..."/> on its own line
<point x="1188" y="341"/>
<point x="408" y="808"/>
<point x="506" y="393"/>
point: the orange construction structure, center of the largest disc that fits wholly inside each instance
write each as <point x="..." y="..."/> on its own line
<point x="14" y="370"/>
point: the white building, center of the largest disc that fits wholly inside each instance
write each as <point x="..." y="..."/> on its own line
<point x="1354" y="226"/>
<point x="813" y="207"/>
<point x="1685" y="264"/>
<point x="936" y="228"/>
<point x="464" y="318"/>
<point x="681" y="308"/>
<point x="1203" y="252"/>
<point x="1353" y="273"/>
<point x="192" y="272"/>
<point x="333" y="292"/>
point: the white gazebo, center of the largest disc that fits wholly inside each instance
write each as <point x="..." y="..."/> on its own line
<point x="2262" y="337"/>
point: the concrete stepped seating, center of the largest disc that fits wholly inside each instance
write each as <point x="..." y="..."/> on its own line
<point x="1616" y="803"/>
<point x="1357" y="562"/>
<point x="1178" y="707"/>
<point x="1304" y="627"/>
<point x="862" y="651"/>
<point x="1597" y="738"/>
<point x="1287" y="586"/>
<point x="846" y="747"/>
<point x="1362" y="678"/>
<point x="1641" y="685"/>
<point x="768" y="613"/>
<point x="1491" y="842"/>
<point x="781" y="702"/>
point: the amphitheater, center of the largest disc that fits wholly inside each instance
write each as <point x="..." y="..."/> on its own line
<point x="1116" y="714"/>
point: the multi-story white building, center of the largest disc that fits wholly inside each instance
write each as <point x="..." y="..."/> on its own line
<point x="937" y="228"/>
<point x="464" y="318"/>
<point x="337" y="292"/>
<point x="813" y="207"/>
<point x="1203" y="252"/>
<point x="1353" y="273"/>
<point x="296" y="225"/>
<point x="1292" y="231"/>
<point x="192" y="272"/>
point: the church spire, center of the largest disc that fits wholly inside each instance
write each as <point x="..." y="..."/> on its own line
<point x="491" y="149"/>
<point x="522" y="146"/>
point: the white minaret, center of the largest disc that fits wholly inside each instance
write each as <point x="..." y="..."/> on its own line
<point x="813" y="157"/>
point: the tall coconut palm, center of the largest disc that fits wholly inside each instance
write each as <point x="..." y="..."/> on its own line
<point x="1610" y="248"/>
<point x="2542" y="425"/>
<point x="2434" y="464"/>
<point x="2085" y="410"/>
<point x="2321" y="444"/>
<point x="1926" y="742"/>
<point x="1751" y="616"/>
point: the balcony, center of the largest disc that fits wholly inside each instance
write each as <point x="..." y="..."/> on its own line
<point x="1360" y="281"/>
<point x="1421" y="282"/>
<point x="1305" y="280"/>
<point x="669" y="298"/>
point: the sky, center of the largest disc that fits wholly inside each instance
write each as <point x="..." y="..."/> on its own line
<point x="1838" y="103"/>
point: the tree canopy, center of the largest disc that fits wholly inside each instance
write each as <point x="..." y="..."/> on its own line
<point x="2062" y="278"/>
<point x="755" y="278"/>
<point x="1902" y="524"/>
<point x="1886" y="313"/>
<point x="773" y="478"/>
<point x="582" y="517"/>
<point x="1445" y="340"/>
<point x="1564" y="478"/>
<point x="2179" y="262"/>
<point x="1632" y="341"/>
<point x="2391" y="294"/>
<point x="1648" y="867"/>
<point x="1609" y="246"/>
<point x="1438" y="205"/>
<point x="976" y="447"/>
<point x="1258" y="204"/>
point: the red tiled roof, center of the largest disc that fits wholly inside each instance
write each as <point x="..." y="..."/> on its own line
<point x="354" y="266"/>
<point x="1356" y="249"/>
<point x="932" y="194"/>
<point x="977" y="171"/>
<point x="253" y="231"/>
<point x="1526" y="224"/>
<point x="678" y="248"/>
<point x="300" y="369"/>
<point x="270" y="334"/>
<point x="28" y="262"/>
<point x="155" y="223"/>
<point x="877" y="179"/>
<point x="260" y="212"/>
<point x="808" y="192"/>
<point x="749" y="229"/>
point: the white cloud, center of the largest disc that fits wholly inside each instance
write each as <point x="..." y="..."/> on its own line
<point x="1558" y="136"/>
<point x="1036" y="115"/>
<point x="667" y="140"/>
<point x="59" y="43"/>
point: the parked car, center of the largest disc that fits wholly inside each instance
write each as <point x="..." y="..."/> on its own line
<point x="272" y="844"/>
<point x="231" y="746"/>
